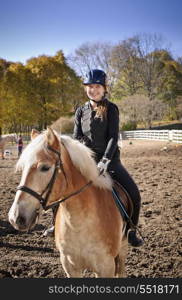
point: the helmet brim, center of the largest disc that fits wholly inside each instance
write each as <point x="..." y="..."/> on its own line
<point x="89" y="83"/>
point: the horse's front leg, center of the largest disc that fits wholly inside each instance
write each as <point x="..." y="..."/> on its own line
<point x="105" y="269"/>
<point x="71" y="269"/>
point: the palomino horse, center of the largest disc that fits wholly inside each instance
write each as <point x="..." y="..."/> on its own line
<point x="4" y="139"/>
<point x="89" y="230"/>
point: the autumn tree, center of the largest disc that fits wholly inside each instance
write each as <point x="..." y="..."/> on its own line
<point x="58" y="87"/>
<point x="179" y="108"/>
<point x="140" y="109"/>
<point x="137" y="66"/>
<point x="38" y="93"/>
<point x="3" y="69"/>
<point x="18" y="107"/>
<point x="142" y="66"/>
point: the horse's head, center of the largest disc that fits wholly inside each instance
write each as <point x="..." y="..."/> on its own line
<point x="42" y="173"/>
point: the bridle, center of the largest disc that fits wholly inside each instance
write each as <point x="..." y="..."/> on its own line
<point x="44" y="200"/>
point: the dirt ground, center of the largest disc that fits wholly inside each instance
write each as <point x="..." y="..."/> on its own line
<point x="157" y="169"/>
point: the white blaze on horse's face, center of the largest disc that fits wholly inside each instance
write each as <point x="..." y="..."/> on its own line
<point x="25" y="210"/>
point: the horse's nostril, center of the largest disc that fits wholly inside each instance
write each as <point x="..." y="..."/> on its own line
<point x="20" y="220"/>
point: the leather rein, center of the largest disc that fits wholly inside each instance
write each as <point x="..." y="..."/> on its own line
<point x="47" y="191"/>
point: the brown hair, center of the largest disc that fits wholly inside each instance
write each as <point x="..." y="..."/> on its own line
<point x="101" y="110"/>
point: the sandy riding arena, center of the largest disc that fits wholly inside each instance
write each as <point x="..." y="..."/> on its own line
<point x="157" y="169"/>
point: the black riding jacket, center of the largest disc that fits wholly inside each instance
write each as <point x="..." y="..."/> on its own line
<point x="99" y="135"/>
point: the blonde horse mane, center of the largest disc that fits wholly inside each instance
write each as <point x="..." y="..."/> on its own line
<point x="83" y="159"/>
<point x="81" y="156"/>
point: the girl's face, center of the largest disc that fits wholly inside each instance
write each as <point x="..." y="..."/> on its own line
<point x="95" y="91"/>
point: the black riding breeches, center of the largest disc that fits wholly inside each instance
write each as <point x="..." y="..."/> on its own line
<point x="120" y="174"/>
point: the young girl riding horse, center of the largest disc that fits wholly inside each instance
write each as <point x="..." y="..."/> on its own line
<point x="97" y="126"/>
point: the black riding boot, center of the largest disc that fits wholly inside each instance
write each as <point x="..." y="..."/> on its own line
<point x="133" y="240"/>
<point x="120" y="174"/>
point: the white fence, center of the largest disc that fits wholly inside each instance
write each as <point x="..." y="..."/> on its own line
<point x="162" y="135"/>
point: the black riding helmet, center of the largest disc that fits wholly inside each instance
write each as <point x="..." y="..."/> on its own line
<point x="96" y="77"/>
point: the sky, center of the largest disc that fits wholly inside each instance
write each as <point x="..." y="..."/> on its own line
<point x="29" y="28"/>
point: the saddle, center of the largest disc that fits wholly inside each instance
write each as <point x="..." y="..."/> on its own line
<point x="122" y="200"/>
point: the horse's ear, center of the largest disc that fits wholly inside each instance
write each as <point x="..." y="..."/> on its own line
<point x="52" y="139"/>
<point x="34" y="133"/>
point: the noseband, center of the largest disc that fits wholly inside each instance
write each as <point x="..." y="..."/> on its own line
<point x="48" y="189"/>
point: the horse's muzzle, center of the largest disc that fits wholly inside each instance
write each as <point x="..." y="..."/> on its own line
<point x="22" y="224"/>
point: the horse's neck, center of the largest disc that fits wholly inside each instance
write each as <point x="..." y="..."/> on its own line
<point x="75" y="182"/>
<point x="74" y="177"/>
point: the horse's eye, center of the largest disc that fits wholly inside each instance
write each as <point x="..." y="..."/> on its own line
<point x="44" y="168"/>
